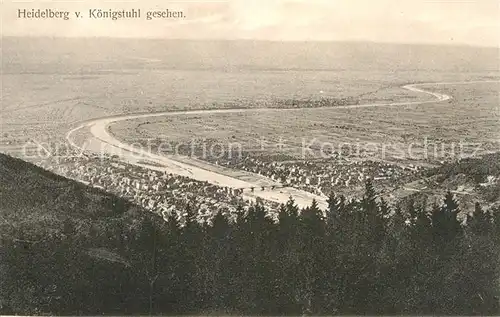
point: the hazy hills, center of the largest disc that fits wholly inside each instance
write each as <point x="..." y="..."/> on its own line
<point x="25" y="54"/>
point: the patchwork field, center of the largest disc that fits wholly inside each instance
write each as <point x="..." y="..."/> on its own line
<point x="378" y="132"/>
<point x="45" y="103"/>
<point x="50" y="85"/>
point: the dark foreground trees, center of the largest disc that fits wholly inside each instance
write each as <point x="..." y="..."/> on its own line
<point x="357" y="257"/>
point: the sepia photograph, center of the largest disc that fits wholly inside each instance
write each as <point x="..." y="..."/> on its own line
<point x="249" y="157"/>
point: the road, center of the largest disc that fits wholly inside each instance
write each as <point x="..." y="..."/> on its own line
<point x="104" y="142"/>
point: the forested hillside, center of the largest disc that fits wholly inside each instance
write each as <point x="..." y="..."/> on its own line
<point x="67" y="249"/>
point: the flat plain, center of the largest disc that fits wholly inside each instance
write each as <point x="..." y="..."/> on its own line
<point x="469" y="120"/>
<point x="52" y="85"/>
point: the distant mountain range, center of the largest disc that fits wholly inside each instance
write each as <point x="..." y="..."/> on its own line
<point x="36" y="53"/>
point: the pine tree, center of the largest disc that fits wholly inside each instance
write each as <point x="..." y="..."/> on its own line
<point x="333" y="213"/>
<point x="288" y="217"/>
<point x="218" y="270"/>
<point x="412" y="210"/>
<point x="292" y="208"/>
<point x="445" y="223"/>
<point x="312" y="237"/>
<point x="337" y="226"/>
<point x="383" y="217"/>
<point x="422" y="223"/>
<point x="385" y="209"/>
<point x="256" y="251"/>
<point x="481" y="222"/>
<point x="188" y="269"/>
<point x="288" y="256"/>
<point x="312" y="218"/>
<point x="170" y="258"/>
<point x="448" y="246"/>
<point x="479" y="267"/>
<point x="398" y="221"/>
<point x="373" y="218"/>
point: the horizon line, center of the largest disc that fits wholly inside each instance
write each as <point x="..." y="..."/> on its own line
<point x="255" y="40"/>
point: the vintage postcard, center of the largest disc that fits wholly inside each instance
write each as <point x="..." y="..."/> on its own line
<point x="250" y="157"/>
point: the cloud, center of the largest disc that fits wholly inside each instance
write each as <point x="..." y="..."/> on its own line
<point x="474" y="22"/>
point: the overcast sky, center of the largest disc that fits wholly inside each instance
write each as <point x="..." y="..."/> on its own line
<point x="473" y="22"/>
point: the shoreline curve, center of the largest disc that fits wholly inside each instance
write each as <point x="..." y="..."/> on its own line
<point x="99" y="129"/>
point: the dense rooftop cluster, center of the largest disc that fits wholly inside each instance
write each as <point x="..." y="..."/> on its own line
<point x="161" y="192"/>
<point x="323" y="177"/>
